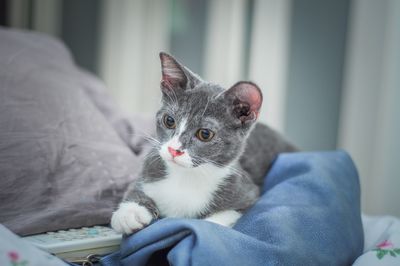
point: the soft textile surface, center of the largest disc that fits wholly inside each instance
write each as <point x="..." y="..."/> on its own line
<point x="309" y="214"/>
<point x="133" y="128"/>
<point x="382" y="241"/>
<point x="62" y="164"/>
<point x="16" y="252"/>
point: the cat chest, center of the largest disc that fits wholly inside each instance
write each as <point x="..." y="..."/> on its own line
<point x="185" y="196"/>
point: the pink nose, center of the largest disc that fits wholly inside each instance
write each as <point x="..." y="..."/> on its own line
<point x="174" y="152"/>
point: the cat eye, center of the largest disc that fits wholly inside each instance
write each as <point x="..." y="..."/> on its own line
<point x="204" y="134"/>
<point x="169" y="121"/>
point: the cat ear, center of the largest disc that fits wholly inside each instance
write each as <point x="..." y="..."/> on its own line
<point x="175" y="75"/>
<point x="246" y="100"/>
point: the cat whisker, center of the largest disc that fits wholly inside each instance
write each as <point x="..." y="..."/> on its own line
<point x="154" y="159"/>
<point x="143" y="134"/>
<point x="208" y="101"/>
<point x="229" y="166"/>
<point x="152" y="156"/>
<point x="169" y="97"/>
<point x="172" y="98"/>
<point x="175" y="96"/>
<point x="171" y="108"/>
<point x="152" y="140"/>
<point x="204" y="160"/>
<point x="147" y="137"/>
<point x="219" y="94"/>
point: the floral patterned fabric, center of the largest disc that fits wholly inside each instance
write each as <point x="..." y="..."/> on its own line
<point x="16" y="252"/>
<point x="382" y="242"/>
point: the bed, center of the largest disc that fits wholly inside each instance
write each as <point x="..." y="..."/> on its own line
<point x="67" y="153"/>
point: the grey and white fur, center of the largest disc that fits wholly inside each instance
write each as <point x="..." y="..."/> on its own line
<point x="187" y="175"/>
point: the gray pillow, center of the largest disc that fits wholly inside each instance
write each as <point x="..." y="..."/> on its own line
<point x="62" y="164"/>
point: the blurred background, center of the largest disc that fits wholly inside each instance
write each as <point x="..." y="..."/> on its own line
<point x="329" y="70"/>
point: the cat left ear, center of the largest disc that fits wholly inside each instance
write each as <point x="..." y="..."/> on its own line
<point x="173" y="75"/>
<point x="246" y="100"/>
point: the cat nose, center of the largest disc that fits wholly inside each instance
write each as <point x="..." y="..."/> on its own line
<point x="174" y="152"/>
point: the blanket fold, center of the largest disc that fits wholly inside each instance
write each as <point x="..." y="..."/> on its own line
<point x="308" y="214"/>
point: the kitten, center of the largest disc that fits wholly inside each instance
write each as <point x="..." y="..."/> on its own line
<point x="210" y="156"/>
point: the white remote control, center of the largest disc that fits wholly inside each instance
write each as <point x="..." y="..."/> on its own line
<point x="76" y="244"/>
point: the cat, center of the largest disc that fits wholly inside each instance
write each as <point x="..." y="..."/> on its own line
<point x="210" y="155"/>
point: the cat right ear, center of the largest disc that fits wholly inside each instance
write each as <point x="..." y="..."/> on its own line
<point x="173" y="74"/>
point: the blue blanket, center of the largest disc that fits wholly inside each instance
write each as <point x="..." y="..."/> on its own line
<point x="309" y="214"/>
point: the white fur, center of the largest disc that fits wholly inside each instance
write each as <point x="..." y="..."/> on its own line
<point x="226" y="218"/>
<point x="186" y="192"/>
<point x="182" y="127"/>
<point x="130" y="217"/>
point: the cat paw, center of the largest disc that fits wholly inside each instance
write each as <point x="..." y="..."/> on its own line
<point x="226" y="218"/>
<point x="130" y="217"/>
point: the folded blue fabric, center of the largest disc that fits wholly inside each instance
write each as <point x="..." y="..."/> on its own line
<point x="309" y="214"/>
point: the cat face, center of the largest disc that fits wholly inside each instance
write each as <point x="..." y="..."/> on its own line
<point x="202" y="123"/>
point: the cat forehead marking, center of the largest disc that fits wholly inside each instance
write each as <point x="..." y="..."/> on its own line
<point x="182" y="126"/>
<point x="174" y="141"/>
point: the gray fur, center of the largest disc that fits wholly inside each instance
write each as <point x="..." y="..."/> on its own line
<point x="249" y="147"/>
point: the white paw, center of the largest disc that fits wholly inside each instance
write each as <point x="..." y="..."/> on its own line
<point x="225" y="218"/>
<point x="130" y="217"/>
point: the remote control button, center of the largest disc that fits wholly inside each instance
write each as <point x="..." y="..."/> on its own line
<point x="93" y="232"/>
